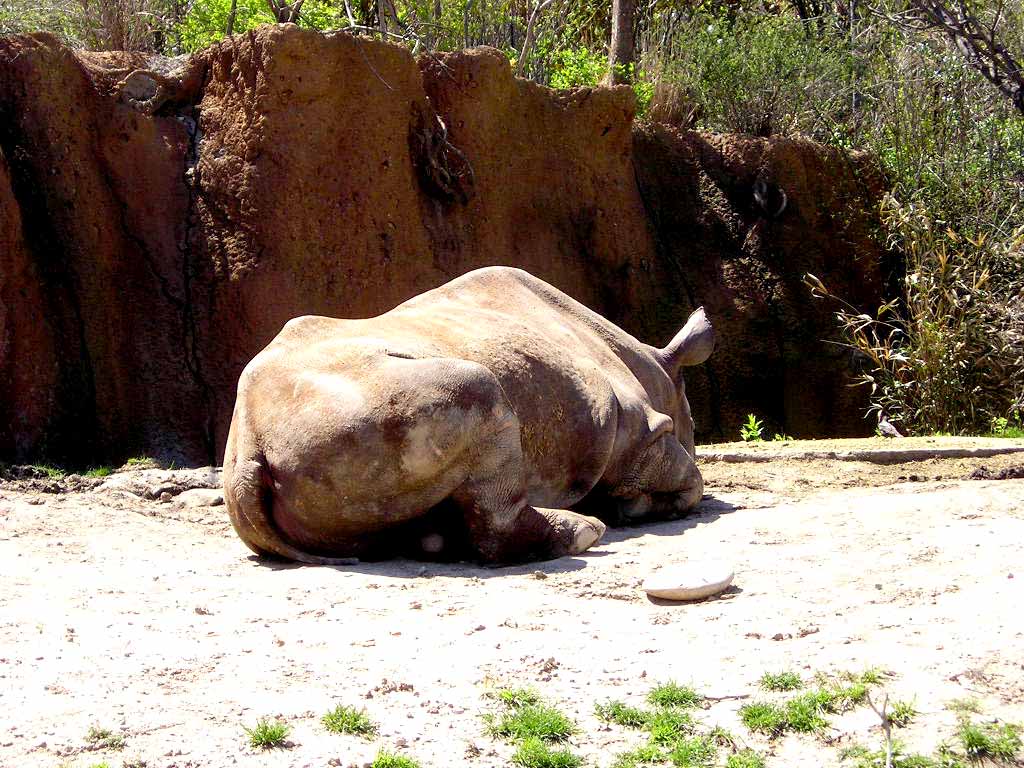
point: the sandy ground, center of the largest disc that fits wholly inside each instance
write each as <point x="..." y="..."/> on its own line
<point x="149" y="617"/>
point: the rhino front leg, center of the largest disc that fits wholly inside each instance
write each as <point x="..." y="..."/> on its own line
<point x="513" y="533"/>
<point x="502" y="526"/>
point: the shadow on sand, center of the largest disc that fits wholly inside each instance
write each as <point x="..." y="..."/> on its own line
<point x="709" y="510"/>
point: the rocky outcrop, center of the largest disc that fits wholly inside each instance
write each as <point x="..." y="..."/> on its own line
<point x="160" y="219"/>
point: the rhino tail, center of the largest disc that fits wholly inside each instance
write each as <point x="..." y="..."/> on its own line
<point x="253" y="521"/>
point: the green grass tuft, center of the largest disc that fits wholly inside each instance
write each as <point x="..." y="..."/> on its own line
<point x="781" y="681"/>
<point x="534" y="753"/>
<point x="903" y="712"/>
<point x="622" y="714"/>
<point x="722" y="738"/>
<point x="695" y="752"/>
<point x="267" y="734"/>
<point x="641" y="757"/>
<point x="344" y="719"/>
<point x="99" y="472"/>
<point x="843" y="698"/>
<point x="391" y="760"/>
<point x="672" y="694"/>
<point x="746" y="758"/>
<point x="964" y="706"/>
<point x="105" y="738"/>
<point x="763" y="717"/>
<point x="989" y="741"/>
<point x="667" y="726"/>
<point x="804" y="713"/>
<point x="517" y="697"/>
<point x="531" y="720"/>
<point x="870" y="676"/>
<point x="54" y="473"/>
<point x="862" y="757"/>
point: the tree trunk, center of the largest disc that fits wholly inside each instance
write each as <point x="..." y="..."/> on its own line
<point x="620" y="53"/>
<point x="231" y="17"/>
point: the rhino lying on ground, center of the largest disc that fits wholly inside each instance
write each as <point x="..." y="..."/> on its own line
<point x="477" y="413"/>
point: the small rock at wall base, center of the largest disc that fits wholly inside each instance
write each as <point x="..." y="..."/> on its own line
<point x="691" y="581"/>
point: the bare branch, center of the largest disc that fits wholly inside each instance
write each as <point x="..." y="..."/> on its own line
<point x="976" y="42"/>
<point x="883" y="715"/>
<point x="528" y="40"/>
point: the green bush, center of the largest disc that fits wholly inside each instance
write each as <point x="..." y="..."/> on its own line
<point x="206" y="20"/>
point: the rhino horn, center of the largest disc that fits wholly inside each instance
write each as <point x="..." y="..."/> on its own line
<point x="691" y="346"/>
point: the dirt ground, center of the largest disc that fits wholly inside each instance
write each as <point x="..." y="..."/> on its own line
<point x="128" y="603"/>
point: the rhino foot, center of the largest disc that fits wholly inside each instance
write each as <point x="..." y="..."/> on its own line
<point x="588" y="533"/>
<point x="571" y="533"/>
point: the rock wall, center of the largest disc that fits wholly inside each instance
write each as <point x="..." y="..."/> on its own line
<point x="742" y="220"/>
<point x="162" y="218"/>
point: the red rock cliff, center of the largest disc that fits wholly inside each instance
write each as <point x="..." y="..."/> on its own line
<point x="162" y="218"/>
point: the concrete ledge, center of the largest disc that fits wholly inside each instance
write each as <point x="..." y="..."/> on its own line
<point x="873" y="450"/>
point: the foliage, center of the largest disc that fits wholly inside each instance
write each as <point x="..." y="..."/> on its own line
<point x="648" y="754"/>
<point x="266" y="734"/>
<point x="574" y="67"/>
<point x="964" y="706"/>
<point x="976" y="743"/>
<point x="781" y="681"/>
<point x="386" y="759"/>
<point x="530" y="724"/>
<point x="989" y="741"/>
<point x="752" y="430"/>
<point x="97" y="25"/>
<point x="1012" y="427"/>
<point x="534" y="720"/>
<point x="746" y="758"/>
<point x="206" y="20"/>
<point x="862" y="757"/>
<point x="947" y="356"/>
<point x="903" y="712"/>
<point x="671" y="694"/>
<point x="517" y="697"/>
<point x="343" y="719"/>
<point x="667" y="726"/>
<point x="756" y="73"/>
<point x="698" y="751"/>
<point x="621" y="714"/>
<point x="804" y="713"/>
<point x="54" y="473"/>
<point x="534" y="753"/>
<point x="673" y="734"/>
<point x="104" y="738"/>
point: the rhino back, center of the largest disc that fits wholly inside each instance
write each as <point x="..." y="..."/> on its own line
<point x="580" y="387"/>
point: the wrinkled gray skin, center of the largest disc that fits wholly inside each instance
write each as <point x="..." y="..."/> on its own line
<point x="476" y="414"/>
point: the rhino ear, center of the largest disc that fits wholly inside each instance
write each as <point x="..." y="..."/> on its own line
<point x="691" y="346"/>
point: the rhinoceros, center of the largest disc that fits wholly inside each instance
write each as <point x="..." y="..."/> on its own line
<point x="494" y="411"/>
